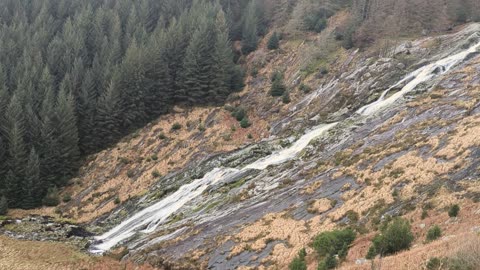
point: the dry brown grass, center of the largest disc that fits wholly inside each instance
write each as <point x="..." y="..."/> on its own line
<point x="29" y="255"/>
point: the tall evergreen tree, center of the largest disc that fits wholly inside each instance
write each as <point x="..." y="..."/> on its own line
<point x="67" y="133"/>
<point x="31" y="187"/>
<point x="250" y="28"/>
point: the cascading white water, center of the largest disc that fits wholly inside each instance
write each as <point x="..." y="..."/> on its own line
<point x="148" y="219"/>
<point x="415" y="78"/>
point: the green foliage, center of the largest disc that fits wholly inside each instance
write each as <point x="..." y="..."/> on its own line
<point x="286" y="97"/>
<point x="117" y="200"/>
<point x="453" y="210"/>
<point x="66" y="198"/>
<point x="52" y="198"/>
<point x="278" y="88"/>
<point x="395" y="236"/>
<point x="77" y="76"/>
<point x="305" y="88"/>
<point x="245" y="123"/>
<point x="434" y="233"/>
<point x="332" y="242"/>
<point x="239" y="113"/>
<point x="3" y="205"/>
<point x="434" y="263"/>
<point x="298" y="262"/>
<point x="176" y="126"/>
<point x="273" y="42"/>
<point x="329" y="262"/>
<point x="317" y="20"/>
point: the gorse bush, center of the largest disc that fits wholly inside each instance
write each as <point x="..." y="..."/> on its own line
<point x="333" y="242"/>
<point x="453" y="210"/>
<point x="434" y="233"/>
<point x="396" y="236"/>
<point x="298" y="262"/>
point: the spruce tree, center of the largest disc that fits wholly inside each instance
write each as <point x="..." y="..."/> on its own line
<point x="223" y="63"/>
<point x="273" y="42"/>
<point x="250" y="28"/>
<point x="32" y="194"/>
<point x="67" y="133"/>
<point x="3" y="205"/>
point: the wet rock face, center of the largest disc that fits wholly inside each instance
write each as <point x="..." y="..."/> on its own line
<point x="42" y="228"/>
<point x="211" y="221"/>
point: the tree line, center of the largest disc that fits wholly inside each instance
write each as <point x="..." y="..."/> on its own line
<point x="77" y="75"/>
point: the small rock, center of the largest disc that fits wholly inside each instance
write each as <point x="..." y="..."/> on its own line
<point x="422" y="226"/>
<point x="361" y="261"/>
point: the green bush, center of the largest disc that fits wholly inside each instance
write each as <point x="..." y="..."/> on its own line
<point x="434" y="233"/>
<point x="298" y="262"/>
<point x="305" y="88"/>
<point x="395" y="237"/>
<point x="330" y="262"/>
<point x="454" y="210"/>
<point x="317" y="20"/>
<point x="239" y="113"/>
<point x="278" y="88"/>
<point x="117" y="200"/>
<point x="286" y="97"/>
<point x="273" y="42"/>
<point x="332" y="242"/>
<point x="245" y="123"/>
<point x="156" y="174"/>
<point x="52" y="198"/>
<point x="176" y="126"/>
<point x="434" y="263"/>
<point x="66" y="198"/>
<point x="3" y="206"/>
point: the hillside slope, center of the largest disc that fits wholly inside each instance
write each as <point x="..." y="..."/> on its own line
<point x="388" y="130"/>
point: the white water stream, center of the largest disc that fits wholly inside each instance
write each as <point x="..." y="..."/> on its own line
<point x="148" y="219"/>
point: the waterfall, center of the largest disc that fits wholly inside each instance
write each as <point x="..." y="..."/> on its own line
<point x="148" y="219"/>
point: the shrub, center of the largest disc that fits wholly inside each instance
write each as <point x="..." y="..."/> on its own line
<point x="66" y="198"/>
<point x="239" y="113"/>
<point x="317" y="20"/>
<point x="276" y="76"/>
<point x="3" y="206"/>
<point x="298" y="262"/>
<point x="273" y="42"/>
<point x="117" y="200"/>
<point x="434" y="263"/>
<point x="245" y="123"/>
<point x="154" y="157"/>
<point x="434" y="233"/>
<point x="156" y="174"/>
<point x="52" y="198"/>
<point x="278" y="88"/>
<point x="176" y="126"/>
<point x="305" y="88"/>
<point x="286" y="97"/>
<point x="453" y="211"/>
<point x="395" y="237"/>
<point x="332" y="242"/>
<point x="250" y="136"/>
<point x="330" y="262"/>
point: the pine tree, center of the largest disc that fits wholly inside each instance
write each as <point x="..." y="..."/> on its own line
<point x="108" y="117"/>
<point x="31" y="186"/>
<point x="250" y="28"/>
<point x="223" y="63"/>
<point x="273" y="42"/>
<point x="67" y="133"/>
<point x="198" y="64"/>
<point x="3" y="205"/>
